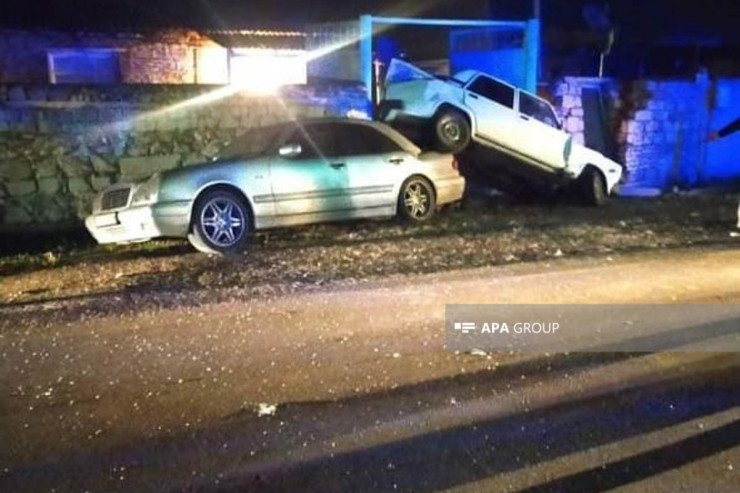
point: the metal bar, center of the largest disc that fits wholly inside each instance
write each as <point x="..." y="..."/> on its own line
<point x="411" y="21"/>
<point x="532" y="55"/>
<point x="366" y="58"/>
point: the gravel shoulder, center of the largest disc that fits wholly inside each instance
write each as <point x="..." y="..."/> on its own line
<point x="166" y="273"/>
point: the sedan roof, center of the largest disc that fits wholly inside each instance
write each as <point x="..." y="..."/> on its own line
<point x="386" y="130"/>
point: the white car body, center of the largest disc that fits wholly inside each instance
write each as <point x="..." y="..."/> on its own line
<point x="322" y="184"/>
<point x="412" y="94"/>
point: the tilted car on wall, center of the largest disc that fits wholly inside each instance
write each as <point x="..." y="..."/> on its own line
<point x="475" y="107"/>
<point x="288" y="174"/>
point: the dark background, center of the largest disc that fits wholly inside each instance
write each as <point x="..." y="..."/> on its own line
<point x="653" y="37"/>
<point x="692" y="17"/>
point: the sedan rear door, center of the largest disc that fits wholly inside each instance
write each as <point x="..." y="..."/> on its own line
<point x="314" y="181"/>
<point x="374" y="166"/>
<point x="544" y="141"/>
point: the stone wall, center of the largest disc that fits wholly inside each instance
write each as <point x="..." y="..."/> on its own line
<point x="659" y="126"/>
<point x="59" y="145"/>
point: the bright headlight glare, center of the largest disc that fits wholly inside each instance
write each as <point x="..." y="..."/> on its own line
<point x="147" y="192"/>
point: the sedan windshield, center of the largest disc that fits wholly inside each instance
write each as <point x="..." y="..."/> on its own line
<point x="255" y="142"/>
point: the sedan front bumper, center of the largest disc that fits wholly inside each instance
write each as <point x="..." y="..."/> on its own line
<point x="140" y="223"/>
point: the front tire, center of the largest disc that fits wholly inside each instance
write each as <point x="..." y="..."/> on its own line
<point x="220" y="223"/>
<point x="451" y="132"/>
<point x="593" y="187"/>
<point x="417" y="201"/>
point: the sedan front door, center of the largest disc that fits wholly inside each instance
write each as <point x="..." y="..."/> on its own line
<point x="492" y="103"/>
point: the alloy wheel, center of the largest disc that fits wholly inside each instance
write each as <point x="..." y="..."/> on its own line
<point x="416" y="198"/>
<point x="223" y="221"/>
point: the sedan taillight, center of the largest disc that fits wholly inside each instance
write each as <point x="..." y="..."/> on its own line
<point x="455" y="164"/>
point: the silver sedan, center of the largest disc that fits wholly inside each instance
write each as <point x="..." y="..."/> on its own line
<point x="289" y="174"/>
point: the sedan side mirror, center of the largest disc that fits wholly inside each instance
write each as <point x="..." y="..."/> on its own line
<point x="290" y="150"/>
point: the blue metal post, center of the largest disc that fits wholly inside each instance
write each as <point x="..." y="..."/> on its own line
<point x="366" y="59"/>
<point x="532" y="55"/>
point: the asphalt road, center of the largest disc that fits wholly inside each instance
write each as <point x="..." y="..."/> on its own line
<point x="366" y="398"/>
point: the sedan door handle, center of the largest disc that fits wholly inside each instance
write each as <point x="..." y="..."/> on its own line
<point x="338" y="165"/>
<point x="472" y="95"/>
<point x="524" y="117"/>
<point x="395" y="160"/>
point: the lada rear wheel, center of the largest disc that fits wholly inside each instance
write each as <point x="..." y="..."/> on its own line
<point x="593" y="187"/>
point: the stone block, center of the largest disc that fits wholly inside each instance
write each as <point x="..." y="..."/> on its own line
<point x="21" y="188"/>
<point x="59" y="93"/>
<point x="79" y="186"/>
<point x="52" y="212"/>
<point x="634" y="127"/>
<point x="46" y="167"/>
<point x="643" y="116"/>
<point x="100" y="182"/>
<point x="49" y="186"/>
<point x="37" y="93"/>
<point x="16" y="94"/>
<point x="15" y="170"/>
<point x="194" y="158"/>
<point x="74" y="165"/>
<point x="15" y="213"/>
<point x="571" y="102"/>
<point x="635" y="138"/>
<point x="83" y="205"/>
<point x="101" y="165"/>
<point x="573" y="125"/>
<point x="138" y="168"/>
<point x="211" y="150"/>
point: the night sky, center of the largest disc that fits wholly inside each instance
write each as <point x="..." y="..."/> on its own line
<point x="718" y="17"/>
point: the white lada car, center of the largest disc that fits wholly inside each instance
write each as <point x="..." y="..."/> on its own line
<point x="475" y="107"/>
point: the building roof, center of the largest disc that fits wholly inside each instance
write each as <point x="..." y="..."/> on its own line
<point x="249" y="38"/>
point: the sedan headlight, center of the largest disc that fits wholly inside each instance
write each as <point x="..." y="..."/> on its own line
<point x="148" y="191"/>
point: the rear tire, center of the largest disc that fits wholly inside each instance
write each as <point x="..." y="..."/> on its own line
<point x="220" y="223"/>
<point x="451" y="132"/>
<point x="417" y="201"/>
<point x="593" y="187"/>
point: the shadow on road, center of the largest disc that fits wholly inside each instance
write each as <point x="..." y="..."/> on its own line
<point x="434" y="460"/>
<point x="645" y="465"/>
<point x="462" y="455"/>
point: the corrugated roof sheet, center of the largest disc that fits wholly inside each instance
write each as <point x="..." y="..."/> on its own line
<point x="248" y="38"/>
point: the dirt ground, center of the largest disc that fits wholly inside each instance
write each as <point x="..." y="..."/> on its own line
<point x="483" y="233"/>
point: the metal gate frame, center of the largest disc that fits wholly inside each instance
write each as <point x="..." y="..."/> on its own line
<point x="531" y="50"/>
